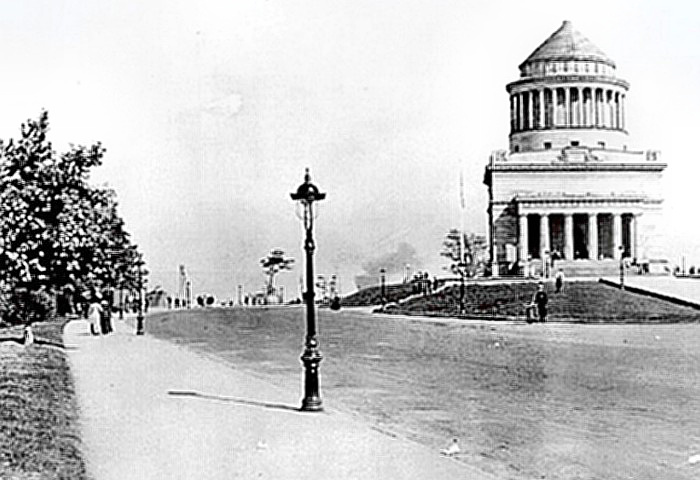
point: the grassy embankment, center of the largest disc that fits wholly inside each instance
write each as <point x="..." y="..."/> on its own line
<point x="373" y="295"/>
<point x="588" y="302"/>
<point x="38" y="419"/>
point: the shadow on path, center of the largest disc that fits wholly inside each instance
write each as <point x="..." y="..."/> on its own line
<point x="37" y="341"/>
<point x="240" y="401"/>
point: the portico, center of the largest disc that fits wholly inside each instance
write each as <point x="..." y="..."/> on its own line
<point x="576" y="230"/>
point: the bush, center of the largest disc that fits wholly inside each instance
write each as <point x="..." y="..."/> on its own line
<point x="23" y="307"/>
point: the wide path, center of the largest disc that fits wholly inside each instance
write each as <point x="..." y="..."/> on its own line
<point x="556" y="401"/>
<point x="153" y="410"/>
<point x="683" y="288"/>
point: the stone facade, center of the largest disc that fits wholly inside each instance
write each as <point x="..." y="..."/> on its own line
<point x="569" y="187"/>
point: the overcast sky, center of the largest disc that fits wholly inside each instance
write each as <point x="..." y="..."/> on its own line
<point x="211" y="110"/>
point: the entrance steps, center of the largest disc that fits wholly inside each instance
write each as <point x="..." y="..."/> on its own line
<point x="583" y="268"/>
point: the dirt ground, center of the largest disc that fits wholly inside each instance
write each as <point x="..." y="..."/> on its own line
<point x="553" y="401"/>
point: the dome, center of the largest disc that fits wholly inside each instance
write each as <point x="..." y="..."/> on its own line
<point x="567" y="44"/>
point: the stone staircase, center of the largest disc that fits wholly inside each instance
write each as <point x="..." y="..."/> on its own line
<point x="586" y="268"/>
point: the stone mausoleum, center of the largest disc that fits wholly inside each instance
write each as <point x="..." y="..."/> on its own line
<point x="569" y="187"/>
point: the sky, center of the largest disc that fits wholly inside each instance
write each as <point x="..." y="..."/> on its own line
<point x="211" y="110"/>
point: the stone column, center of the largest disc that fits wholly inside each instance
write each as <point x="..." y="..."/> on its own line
<point x="633" y="236"/>
<point x="594" y="109"/>
<point x="544" y="234"/>
<point x="530" y="110"/>
<point x="622" y="112"/>
<point x="541" y="94"/>
<point x="555" y="107"/>
<point x="567" y="107"/>
<point x="604" y="108"/>
<point x="512" y="113"/>
<point x="613" y="113"/>
<point x="617" y="235"/>
<point x="523" y="245"/>
<point x="579" y="107"/>
<point x="494" y="246"/>
<point x="568" y="236"/>
<point x="521" y="112"/>
<point x="592" y="236"/>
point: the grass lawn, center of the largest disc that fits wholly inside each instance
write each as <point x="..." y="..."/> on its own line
<point x="38" y="419"/>
<point x="588" y="302"/>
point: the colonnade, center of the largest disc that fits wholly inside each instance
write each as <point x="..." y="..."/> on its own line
<point x="618" y="239"/>
<point x="567" y="107"/>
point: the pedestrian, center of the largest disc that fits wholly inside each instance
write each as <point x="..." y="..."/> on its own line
<point x="105" y="318"/>
<point x="540" y="299"/>
<point x="94" y="313"/>
<point x="559" y="281"/>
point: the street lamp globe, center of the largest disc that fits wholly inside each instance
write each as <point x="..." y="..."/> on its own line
<point x="306" y="195"/>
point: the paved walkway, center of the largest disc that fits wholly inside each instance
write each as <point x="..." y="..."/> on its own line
<point x="154" y="410"/>
<point x="687" y="289"/>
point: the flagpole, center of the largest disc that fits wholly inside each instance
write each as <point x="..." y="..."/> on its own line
<point x="462" y="265"/>
<point x="461" y="217"/>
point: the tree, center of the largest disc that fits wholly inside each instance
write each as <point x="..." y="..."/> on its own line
<point x="274" y="263"/>
<point x="467" y="256"/>
<point x="55" y="228"/>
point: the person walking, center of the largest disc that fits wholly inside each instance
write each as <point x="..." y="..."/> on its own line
<point x="105" y="318"/>
<point x="559" y="281"/>
<point x="540" y="299"/>
<point x="95" y="314"/>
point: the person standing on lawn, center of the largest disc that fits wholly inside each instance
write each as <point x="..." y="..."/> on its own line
<point x="540" y="299"/>
<point x="95" y="314"/>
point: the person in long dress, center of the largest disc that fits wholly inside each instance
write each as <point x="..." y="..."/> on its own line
<point x="94" y="315"/>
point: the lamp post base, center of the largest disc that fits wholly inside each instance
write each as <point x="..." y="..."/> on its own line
<point x="312" y="397"/>
<point x="311" y="405"/>
<point x="139" y="325"/>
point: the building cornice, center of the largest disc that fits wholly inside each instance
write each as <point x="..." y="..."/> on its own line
<point x="561" y="166"/>
<point x="560" y="80"/>
<point x="569" y="127"/>
<point x="566" y="200"/>
<point x="577" y="167"/>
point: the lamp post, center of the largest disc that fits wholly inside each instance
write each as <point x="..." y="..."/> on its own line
<point x="306" y="195"/>
<point x="461" y="268"/>
<point x="622" y="268"/>
<point x="139" y="315"/>
<point x="121" y="301"/>
<point x="382" y="278"/>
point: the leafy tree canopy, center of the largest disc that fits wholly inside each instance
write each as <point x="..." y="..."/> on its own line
<point x="470" y="261"/>
<point x="273" y="263"/>
<point x="56" y="228"/>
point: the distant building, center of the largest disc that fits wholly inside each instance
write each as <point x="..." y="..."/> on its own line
<point x="569" y="187"/>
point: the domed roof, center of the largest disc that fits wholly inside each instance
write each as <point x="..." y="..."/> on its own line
<point x="567" y="44"/>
